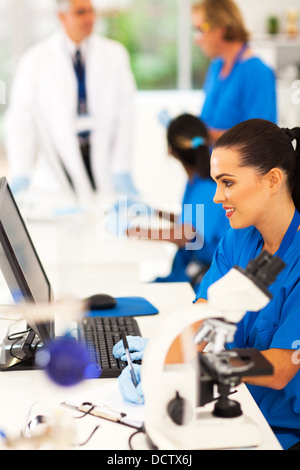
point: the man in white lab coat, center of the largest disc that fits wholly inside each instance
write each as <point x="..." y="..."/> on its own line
<point x="92" y="140"/>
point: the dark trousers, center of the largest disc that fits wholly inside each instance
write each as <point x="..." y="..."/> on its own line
<point x="86" y="157"/>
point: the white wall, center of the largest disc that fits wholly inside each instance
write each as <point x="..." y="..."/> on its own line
<point x="256" y="12"/>
<point x="158" y="175"/>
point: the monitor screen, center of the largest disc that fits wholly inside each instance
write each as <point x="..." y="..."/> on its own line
<point x="19" y="262"/>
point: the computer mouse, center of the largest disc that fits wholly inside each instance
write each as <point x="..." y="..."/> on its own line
<point x="100" y="302"/>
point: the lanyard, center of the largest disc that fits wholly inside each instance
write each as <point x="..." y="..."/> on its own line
<point x="240" y="53"/>
<point x="285" y="244"/>
<point x="237" y="58"/>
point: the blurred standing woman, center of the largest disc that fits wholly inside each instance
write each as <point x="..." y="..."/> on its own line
<point x="238" y="85"/>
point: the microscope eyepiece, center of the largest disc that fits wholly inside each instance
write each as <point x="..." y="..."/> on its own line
<point x="264" y="270"/>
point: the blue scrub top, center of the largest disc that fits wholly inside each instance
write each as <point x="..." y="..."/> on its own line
<point x="248" y="92"/>
<point x="275" y="326"/>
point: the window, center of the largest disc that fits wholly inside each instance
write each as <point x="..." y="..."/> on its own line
<point x="158" y="37"/>
<point x="148" y="31"/>
<point x="156" y="33"/>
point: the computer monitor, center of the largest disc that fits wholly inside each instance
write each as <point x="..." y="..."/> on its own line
<point x="26" y="280"/>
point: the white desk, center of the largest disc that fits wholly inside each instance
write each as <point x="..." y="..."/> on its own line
<point x="78" y="262"/>
<point x="20" y="390"/>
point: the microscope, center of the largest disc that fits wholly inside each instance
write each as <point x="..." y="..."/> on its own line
<point x="190" y="405"/>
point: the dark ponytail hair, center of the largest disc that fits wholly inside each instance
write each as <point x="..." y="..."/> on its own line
<point x="188" y="140"/>
<point x="263" y="145"/>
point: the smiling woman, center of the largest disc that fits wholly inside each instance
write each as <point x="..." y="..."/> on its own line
<point x="257" y="172"/>
<point x="242" y="190"/>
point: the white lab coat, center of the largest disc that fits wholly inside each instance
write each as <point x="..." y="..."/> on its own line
<point x="45" y="88"/>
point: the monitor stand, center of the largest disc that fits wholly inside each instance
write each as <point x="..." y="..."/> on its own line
<point x="18" y="353"/>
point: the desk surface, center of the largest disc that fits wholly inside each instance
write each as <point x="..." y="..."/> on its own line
<point x="20" y="390"/>
<point x="78" y="248"/>
<point x="78" y="262"/>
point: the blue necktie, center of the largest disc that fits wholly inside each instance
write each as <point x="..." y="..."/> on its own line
<point x="80" y="74"/>
<point x="82" y="110"/>
<point x="82" y="107"/>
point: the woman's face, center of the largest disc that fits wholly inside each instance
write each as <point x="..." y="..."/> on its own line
<point x="207" y="37"/>
<point x="242" y="191"/>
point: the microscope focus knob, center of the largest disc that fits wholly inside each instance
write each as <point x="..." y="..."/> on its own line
<point x="225" y="408"/>
<point x="179" y="410"/>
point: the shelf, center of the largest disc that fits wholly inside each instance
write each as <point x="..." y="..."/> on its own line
<point x="278" y="40"/>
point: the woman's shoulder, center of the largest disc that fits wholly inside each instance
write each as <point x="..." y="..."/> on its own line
<point x="254" y="64"/>
<point x="239" y="243"/>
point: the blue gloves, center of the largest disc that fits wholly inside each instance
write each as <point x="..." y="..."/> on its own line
<point x="19" y="184"/>
<point x="164" y="118"/>
<point x="136" y="346"/>
<point x="128" y="391"/>
<point x="123" y="184"/>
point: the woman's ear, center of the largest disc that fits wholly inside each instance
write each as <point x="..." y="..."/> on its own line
<point x="275" y="178"/>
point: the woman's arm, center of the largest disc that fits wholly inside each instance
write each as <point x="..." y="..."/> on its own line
<point x="167" y="215"/>
<point x="285" y="363"/>
<point x="176" y="353"/>
<point x="281" y="359"/>
<point x="178" y="234"/>
<point x="285" y="368"/>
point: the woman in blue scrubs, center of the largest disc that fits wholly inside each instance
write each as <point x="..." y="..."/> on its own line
<point x="257" y="172"/>
<point x="202" y="223"/>
<point x="238" y="85"/>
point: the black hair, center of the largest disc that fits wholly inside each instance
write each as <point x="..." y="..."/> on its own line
<point x="263" y="145"/>
<point x="183" y="135"/>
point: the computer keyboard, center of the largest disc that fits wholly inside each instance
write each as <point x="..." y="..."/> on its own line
<point x="100" y="334"/>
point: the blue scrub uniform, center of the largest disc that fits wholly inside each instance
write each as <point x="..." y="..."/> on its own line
<point x="275" y="326"/>
<point x="210" y="223"/>
<point x="248" y="92"/>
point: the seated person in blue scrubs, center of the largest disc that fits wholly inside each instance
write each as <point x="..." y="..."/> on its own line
<point x="202" y="223"/>
<point x="238" y="85"/>
<point x="257" y="171"/>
